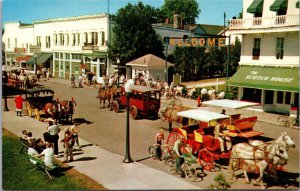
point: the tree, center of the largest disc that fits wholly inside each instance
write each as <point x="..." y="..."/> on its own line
<point x="187" y="9"/>
<point x="133" y="33"/>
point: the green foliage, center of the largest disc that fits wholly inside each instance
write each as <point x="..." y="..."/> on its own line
<point x="220" y="183"/>
<point x="134" y="36"/>
<point x="19" y="174"/>
<point x="187" y="9"/>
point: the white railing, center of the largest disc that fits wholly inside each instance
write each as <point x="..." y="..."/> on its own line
<point x="265" y="22"/>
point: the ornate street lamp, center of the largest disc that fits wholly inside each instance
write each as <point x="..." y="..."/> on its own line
<point x="34" y="63"/>
<point x="118" y="63"/>
<point x="128" y="90"/>
<point x="4" y="81"/>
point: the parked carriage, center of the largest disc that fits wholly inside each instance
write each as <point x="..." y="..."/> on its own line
<point x="36" y="99"/>
<point x="144" y="101"/>
<point x="198" y="131"/>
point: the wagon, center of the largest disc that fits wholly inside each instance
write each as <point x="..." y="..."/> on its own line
<point x="198" y="131"/>
<point x="144" y="101"/>
<point x="36" y="98"/>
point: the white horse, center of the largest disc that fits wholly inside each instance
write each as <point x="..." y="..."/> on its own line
<point x="221" y="95"/>
<point x="257" y="156"/>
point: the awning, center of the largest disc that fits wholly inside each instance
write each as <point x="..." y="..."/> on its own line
<point x="279" y="5"/>
<point x="256" y="6"/>
<point x="269" y="78"/>
<point x="41" y="58"/>
<point x="94" y="55"/>
<point x="297" y="4"/>
<point x="23" y="58"/>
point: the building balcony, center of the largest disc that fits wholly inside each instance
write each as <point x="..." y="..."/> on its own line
<point x="90" y="46"/>
<point x="265" y="22"/>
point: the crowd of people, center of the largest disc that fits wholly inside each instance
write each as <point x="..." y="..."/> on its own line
<point x="47" y="148"/>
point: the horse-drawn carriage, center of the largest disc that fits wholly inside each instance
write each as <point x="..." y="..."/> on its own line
<point x="144" y="101"/>
<point x="199" y="131"/>
<point x="39" y="102"/>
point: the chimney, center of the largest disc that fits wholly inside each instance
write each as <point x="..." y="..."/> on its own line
<point x="176" y="22"/>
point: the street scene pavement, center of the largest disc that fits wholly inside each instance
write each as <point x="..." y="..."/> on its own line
<point x="102" y="137"/>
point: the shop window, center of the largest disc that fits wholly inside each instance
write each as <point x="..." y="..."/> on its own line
<point x="251" y="94"/>
<point x="287" y="97"/>
<point x="296" y="100"/>
<point x="280" y="97"/>
<point x="269" y="97"/>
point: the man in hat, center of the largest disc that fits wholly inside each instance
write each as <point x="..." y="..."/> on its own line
<point x="52" y="131"/>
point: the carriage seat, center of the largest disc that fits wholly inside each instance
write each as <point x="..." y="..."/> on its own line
<point x="211" y="143"/>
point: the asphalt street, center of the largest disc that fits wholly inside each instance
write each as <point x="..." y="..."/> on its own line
<point x="106" y="129"/>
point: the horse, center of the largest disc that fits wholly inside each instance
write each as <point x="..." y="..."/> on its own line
<point x="102" y="96"/>
<point x="110" y="95"/>
<point x="66" y="109"/>
<point x="170" y="112"/>
<point x="258" y="156"/>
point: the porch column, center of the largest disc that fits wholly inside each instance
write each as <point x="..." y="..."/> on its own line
<point x="240" y="93"/>
<point x="292" y="98"/>
<point x="263" y="95"/>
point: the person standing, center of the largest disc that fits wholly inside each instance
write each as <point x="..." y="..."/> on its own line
<point x="47" y="73"/>
<point x="68" y="146"/>
<point x="53" y="131"/>
<point x="80" y="81"/>
<point x="72" y="81"/>
<point x="19" y="104"/>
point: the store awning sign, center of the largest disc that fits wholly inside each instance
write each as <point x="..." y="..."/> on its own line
<point x="254" y="75"/>
<point x="199" y="41"/>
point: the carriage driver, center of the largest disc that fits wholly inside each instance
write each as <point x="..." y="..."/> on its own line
<point x="218" y="131"/>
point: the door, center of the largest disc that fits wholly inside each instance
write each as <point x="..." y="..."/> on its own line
<point x="62" y="70"/>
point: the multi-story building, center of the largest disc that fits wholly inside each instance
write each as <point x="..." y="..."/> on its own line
<point x="269" y="64"/>
<point x="66" y="46"/>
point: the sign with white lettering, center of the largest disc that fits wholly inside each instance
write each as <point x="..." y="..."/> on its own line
<point x="254" y="75"/>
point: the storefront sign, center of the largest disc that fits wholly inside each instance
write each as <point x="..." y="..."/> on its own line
<point x="90" y="47"/>
<point x="203" y="41"/>
<point x="254" y="76"/>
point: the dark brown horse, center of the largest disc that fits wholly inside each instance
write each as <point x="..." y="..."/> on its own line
<point x="107" y="94"/>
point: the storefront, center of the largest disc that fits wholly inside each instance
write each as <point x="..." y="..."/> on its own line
<point x="275" y="88"/>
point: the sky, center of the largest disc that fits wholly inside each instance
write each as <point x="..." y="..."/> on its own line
<point x="27" y="11"/>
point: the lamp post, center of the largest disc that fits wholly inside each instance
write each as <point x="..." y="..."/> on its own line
<point x="35" y="64"/>
<point x="128" y="87"/>
<point x="118" y="63"/>
<point x="4" y="81"/>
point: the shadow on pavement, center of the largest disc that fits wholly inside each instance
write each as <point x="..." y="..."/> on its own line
<point x="143" y="159"/>
<point x="82" y="120"/>
<point x="86" y="158"/>
<point x="87" y="145"/>
<point x="284" y="179"/>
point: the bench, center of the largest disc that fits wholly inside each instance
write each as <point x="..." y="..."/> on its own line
<point x="244" y="127"/>
<point x="40" y="164"/>
<point x="24" y="145"/>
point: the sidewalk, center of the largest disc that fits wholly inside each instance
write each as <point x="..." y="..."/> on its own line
<point x="101" y="165"/>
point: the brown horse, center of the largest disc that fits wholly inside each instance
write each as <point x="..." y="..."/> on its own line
<point x="108" y="95"/>
<point x="170" y="112"/>
<point x="102" y="96"/>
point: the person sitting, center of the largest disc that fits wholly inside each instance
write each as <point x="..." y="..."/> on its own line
<point x="24" y="135"/>
<point x="159" y="138"/>
<point x="179" y="147"/>
<point x="219" y="134"/>
<point x="223" y="112"/>
<point x="48" y="154"/>
<point x="32" y="152"/>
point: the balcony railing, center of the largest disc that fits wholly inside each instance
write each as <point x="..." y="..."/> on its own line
<point x="265" y="22"/>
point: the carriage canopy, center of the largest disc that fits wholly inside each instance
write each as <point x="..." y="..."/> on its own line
<point x="202" y="115"/>
<point x="227" y="103"/>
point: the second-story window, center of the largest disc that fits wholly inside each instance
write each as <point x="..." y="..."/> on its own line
<point x="256" y="49"/>
<point x="86" y="37"/>
<point x="103" y="38"/>
<point x="38" y="40"/>
<point x="279" y="48"/>
<point x="55" y="39"/>
<point x="48" y="40"/>
<point x="78" y="39"/>
<point x="94" y="38"/>
<point x="67" y="39"/>
<point x="62" y="39"/>
<point x="16" y="43"/>
<point x="8" y="43"/>
<point x="73" y="39"/>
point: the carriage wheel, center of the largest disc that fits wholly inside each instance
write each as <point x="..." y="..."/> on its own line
<point x="36" y="114"/>
<point x="206" y="159"/>
<point x="172" y="138"/>
<point x="152" y="152"/>
<point x="190" y="172"/>
<point x="133" y="112"/>
<point x="116" y="107"/>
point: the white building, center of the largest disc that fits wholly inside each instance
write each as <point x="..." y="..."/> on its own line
<point x="67" y="46"/>
<point x="269" y="63"/>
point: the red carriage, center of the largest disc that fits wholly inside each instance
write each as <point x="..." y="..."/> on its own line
<point x="198" y="131"/>
<point x="144" y="101"/>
